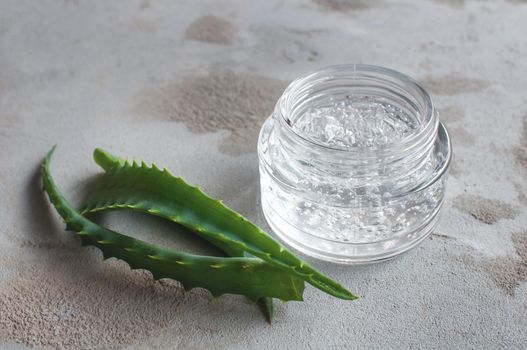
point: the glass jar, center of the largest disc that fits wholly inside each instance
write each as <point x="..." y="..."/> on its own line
<point x="353" y="164"/>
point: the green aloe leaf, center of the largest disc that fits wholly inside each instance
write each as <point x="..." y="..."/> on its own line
<point x="247" y="276"/>
<point x="109" y="161"/>
<point x="139" y="187"/>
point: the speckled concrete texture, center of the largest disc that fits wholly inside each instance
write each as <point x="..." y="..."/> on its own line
<point x="156" y="80"/>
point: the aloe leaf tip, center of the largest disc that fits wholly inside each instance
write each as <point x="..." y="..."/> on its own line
<point x="105" y="159"/>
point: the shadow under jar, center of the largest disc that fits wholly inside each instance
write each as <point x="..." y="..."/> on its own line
<point x="353" y="164"/>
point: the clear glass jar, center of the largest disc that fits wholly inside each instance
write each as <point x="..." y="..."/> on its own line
<point x="353" y="164"/>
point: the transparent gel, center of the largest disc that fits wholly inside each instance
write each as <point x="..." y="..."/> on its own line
<point x="353" y="164"/>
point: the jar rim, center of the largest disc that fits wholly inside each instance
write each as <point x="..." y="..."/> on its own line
<point x="408" y="84"/>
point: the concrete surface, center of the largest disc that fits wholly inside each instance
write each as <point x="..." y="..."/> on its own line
<point x="159" y="81"/>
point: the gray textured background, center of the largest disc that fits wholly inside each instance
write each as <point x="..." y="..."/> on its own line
<point x="156" y="80"/>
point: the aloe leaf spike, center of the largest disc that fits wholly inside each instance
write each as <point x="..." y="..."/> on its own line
<point x="179" y="202"/>
<point x="247" y="276"/>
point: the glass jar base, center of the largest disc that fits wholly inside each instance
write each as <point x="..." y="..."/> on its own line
<point x="345" y="252"/>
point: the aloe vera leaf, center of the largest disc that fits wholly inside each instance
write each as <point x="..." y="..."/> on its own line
<point x="247" y="276"/>
<point x="109" y="161"/>
<point x="143" y="188"/>
<point x="266" y="304"/>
